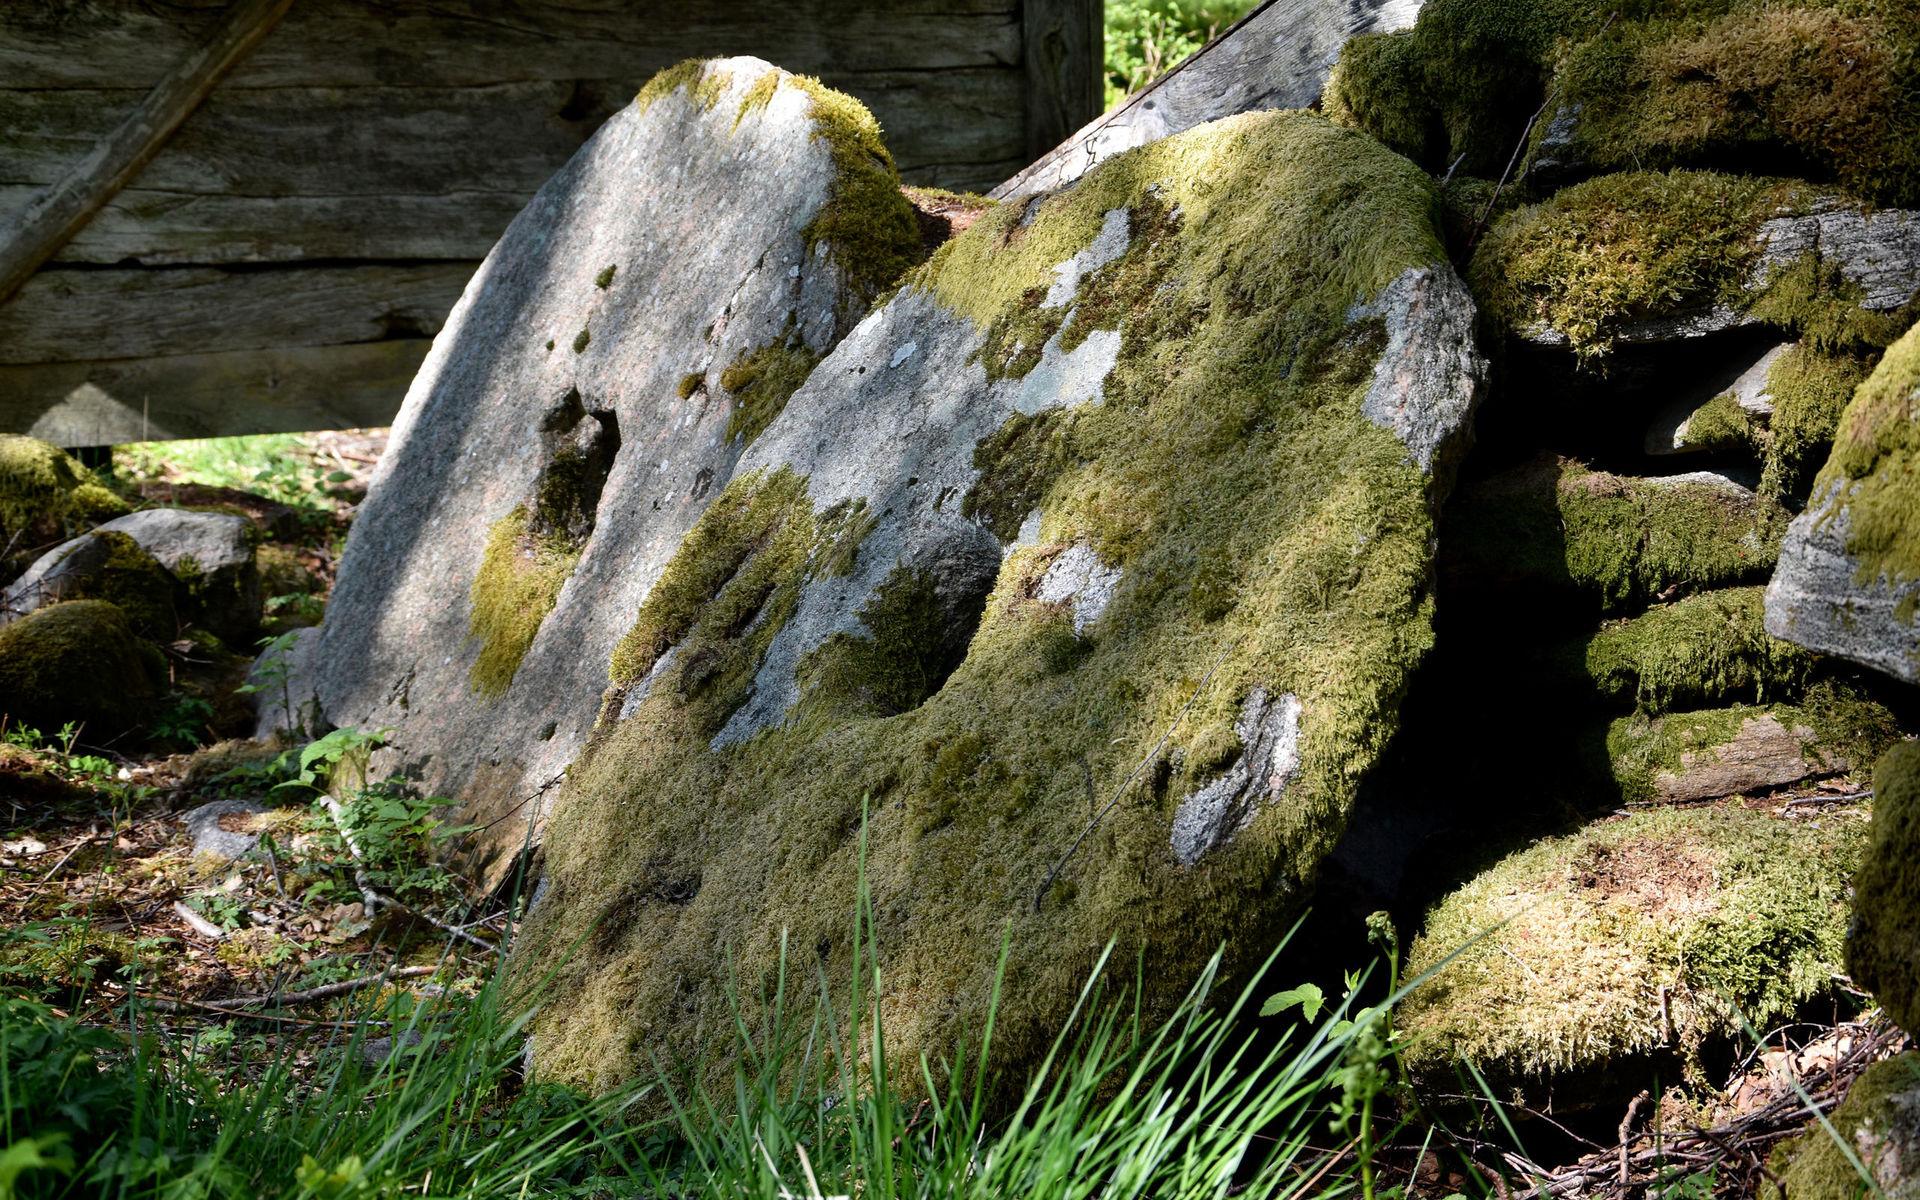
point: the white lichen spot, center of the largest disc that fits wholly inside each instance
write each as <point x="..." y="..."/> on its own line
<point x="1079" y="578"/>
<point x="1269" y="732"/>
<point x="902" y="355"/>
<point x="1062" y="378"/>
<point x="1110" y="243"/>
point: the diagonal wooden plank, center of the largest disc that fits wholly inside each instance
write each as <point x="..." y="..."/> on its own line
<point x="67" y="205"/>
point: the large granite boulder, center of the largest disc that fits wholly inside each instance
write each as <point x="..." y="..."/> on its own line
<point x="1068" y="601"/>
<point x="588" y="397"/>
<point x="1848" y="580"/>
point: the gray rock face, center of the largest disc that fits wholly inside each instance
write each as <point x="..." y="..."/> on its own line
<point x="287" y="695"/>
<point x="211" y="838"/>
<point x="211" y="555"/>
<point x="1429" y="377"/>
<point x="585" y="358"/>
<point x="1817" y="600"/>
<point x="70" y="571"/>
<point x="1269" y="732"/>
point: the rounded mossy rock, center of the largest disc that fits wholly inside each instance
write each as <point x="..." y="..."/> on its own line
<point x="1647" y="257"/>
<point x="103" y="565"/>
<point x="1878" y="1122"/>
<point x="734" y="215"/>
<point x="1848" y="581"/>
<point x="1711" y="648"/>
<point x="1883" y="946"/>
<point x="1068" y="602"/>
<point x="46" y="495"/>
<point x="1829" y="86"/>
<point x="78" y="661"/>
<point x="210" y="558"/>
<point x="1620" y="541"/>
<point x="1641" y="937"/>
<point x="1706" y="754"/>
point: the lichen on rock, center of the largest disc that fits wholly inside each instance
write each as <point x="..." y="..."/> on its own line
<point x="847" y="638"/>
<point x="1877" y="1125"/>
<point x="1642" y="935"/>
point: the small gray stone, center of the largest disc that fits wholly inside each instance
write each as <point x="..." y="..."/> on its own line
<point x="211" y="555"/>
<point x="1078" y="577"/>
<point x="203" y="826"/>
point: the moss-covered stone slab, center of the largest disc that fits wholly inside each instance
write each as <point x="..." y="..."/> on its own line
<point x="1848" y="581"/>
<point x="1712" y="648"/>
<point x="1557" y="525"/>
<point x="79" y="661"/>
<point x="1877" y="1125"/>
<point x="102" y="565"/>
<point x="46" y="496"/>
<point x="1648" y="257"/>
<point x="587" y="399"/>
<point x="1727" y="418"/>
<point x="1074" y="594"/>
<point x="1640" y="936"/>
<point x="1733" y="84"/>
<point x="1883" y="947"/>
<point x="1706" y="754"/>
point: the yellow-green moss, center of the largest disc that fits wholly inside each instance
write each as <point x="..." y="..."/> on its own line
<point x="1883" y="948"/>
<point x="1230" y="437"/>
<point x="135" y="583"/>
<point x="519" y="581"/>
<point x="1623" y="541"/>
<point x="1876" y="460"/>
<point x="78" y="661"/>
<point x="1825" y="86"/>
<point x="1017" y="462"/>
<point x="1707" y="648"/>
<point x="1624" y="248"/>
<point x="604" y="279"/>
<point x="868" y="227"/>
<point x="1721" y="426"/>
<point x="761" y="382"/>
<point x="1814" y="1167"/>
<point x="704" y="82"/>
<point x="1566" y="948"/>
<point x="690" y="383"/>
<point x="582" y="340"/>
<point x="1809" y="391"/>
<point x="45" y="494"/>
<point x="1845" y="727"/>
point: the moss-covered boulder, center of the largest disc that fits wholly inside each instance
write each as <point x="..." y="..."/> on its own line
<point x="210" y="557"/>
<point x="1570" y="89"/>
<point x="1620" y="541"/>
<point x="1711" y="648"/>
<point x="1883" y="947"/>
<point x="1709" y="753"/>
<point x="1073" y="594"/>
<point x="1877" y="1126"/>
<point x="1848" y="581"/>
<point x="46" y="495"/>
<point x="78" y="661"/>
<point x="1643" y="257"/>
<point x="649" y="312"/>
<point x="1639" y="937"/>
<point x="102" y="565"/>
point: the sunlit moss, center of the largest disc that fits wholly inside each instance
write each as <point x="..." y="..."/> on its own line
<point x="518" y="584"/>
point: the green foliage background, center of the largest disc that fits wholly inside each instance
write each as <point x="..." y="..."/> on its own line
<point x="1148" y="38"/>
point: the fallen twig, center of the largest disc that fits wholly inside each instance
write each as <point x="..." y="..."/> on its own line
<point x="326" y="991"/>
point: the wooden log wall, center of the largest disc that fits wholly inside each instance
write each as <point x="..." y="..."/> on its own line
<point x="283" y="260"/>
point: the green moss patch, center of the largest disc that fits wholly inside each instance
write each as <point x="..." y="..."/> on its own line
<point x="762" y="381"/>
<point x="1810" y="390"/>
<point x="1883" y="951"/>
<point x="1876" y="459"/>
<point x="519" y="581"/>
<point x="1880" y="1108"/>
<point x="1230" y="447"/>
<point x="1623" y="541"/>
<point x="1566" y="949"/>
<point x="78" y="661"/>
<point x="45" y="494"/>
<point x="1709" y="648"/>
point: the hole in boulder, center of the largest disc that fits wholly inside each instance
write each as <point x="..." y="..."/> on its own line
<point x="578" y="443"/>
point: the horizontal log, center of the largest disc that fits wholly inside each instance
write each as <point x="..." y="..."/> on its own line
<point x="128" y="43"/>
<point x="279" y="175"/>
<point x="210" y="395"/>
<point x="75" y="315"/>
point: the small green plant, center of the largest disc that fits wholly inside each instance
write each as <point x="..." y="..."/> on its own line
<point x="184" y="720"/>
<point x="220" y="907"/>
<point x="274" y="673"/>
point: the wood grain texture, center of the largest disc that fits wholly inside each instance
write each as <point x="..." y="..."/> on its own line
<point x="1063" y="43"/>
<point x="207" y="395"/>
<point x="1277" y="56"/>
<point x="79" y="315"/>
<point x="90" y="180"/>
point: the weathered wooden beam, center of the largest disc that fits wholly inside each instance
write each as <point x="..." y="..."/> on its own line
<point x="65" y="315"/>
<point x="105" y="169"/>
<point x="1277" y="56"/>
<point x="210" y="395"/>
<point x="1063" y="44"/>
